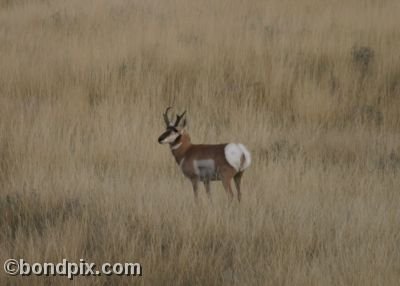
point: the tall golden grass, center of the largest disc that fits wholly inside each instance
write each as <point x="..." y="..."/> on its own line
<point x="311" y="87"/>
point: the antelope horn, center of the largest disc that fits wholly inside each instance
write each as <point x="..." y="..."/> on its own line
<point x="178" y="118"/>
<point x="165" y="114"/>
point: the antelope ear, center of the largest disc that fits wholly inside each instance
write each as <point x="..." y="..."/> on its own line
<point x="182" y="124"/>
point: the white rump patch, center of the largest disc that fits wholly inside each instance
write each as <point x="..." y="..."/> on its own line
<point x="234" y="154"/>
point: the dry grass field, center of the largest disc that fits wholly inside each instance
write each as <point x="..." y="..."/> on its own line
<point x="311" y="87"/>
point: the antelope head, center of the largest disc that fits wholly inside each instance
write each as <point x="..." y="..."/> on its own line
<point x="173" y="131"/>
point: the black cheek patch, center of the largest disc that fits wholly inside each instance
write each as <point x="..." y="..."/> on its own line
<point x="177" y="140"/>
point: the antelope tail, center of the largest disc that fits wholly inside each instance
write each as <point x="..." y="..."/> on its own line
<point x="237" y="156"/>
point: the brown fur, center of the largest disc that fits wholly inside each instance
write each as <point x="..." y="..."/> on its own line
<point x="189" y="152"/>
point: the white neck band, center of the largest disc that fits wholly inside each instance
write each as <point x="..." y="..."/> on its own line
<point x="174" y="147"/>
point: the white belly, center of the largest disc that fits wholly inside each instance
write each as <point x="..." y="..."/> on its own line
<point x="205" y="169"/>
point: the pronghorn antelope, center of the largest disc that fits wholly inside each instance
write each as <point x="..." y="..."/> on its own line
<point x="205" y="163"/>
